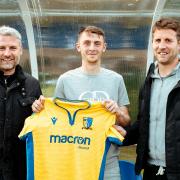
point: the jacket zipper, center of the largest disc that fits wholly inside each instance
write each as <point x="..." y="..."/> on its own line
<point x="157" y="119"/>
<point x="5" y="99"/>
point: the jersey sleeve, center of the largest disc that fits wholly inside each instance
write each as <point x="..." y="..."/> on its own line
<point x="27" y="127"/>
<point x="114" y="136"/>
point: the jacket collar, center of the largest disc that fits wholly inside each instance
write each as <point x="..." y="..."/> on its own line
<point x="151" y="71"/>
<point x="18" y="74"/>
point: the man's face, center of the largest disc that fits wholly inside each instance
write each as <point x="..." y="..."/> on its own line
<point x="165" y="46"/>
<point x="91" y="46"/>
<point x="10" y="52"/>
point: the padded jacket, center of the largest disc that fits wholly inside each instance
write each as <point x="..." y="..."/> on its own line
<point x="17" y="93"/>
<point x="139" y="131"/>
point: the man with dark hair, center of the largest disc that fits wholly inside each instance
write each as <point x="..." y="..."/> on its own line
<point x="93" y="83"/>
<point x="157" y="129"/>
<point x="18" y="90"/>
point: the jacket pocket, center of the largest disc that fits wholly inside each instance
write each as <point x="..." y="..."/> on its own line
<point x="26" y="101"/>
<point x="25" y="106"/>
<point x="24" y="110"/>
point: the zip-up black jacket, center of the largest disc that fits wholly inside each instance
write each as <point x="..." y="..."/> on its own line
<point x="17" y="93"/>
<point x="139" y="131"/>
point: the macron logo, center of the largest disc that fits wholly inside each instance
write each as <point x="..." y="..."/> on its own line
<point x="54" y="119"/>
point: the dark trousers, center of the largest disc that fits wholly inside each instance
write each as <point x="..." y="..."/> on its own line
<point x="150" y="172"/>
<point x="1" y="176"/>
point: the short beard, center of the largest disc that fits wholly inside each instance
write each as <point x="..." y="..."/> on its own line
<point x="10" y="67"/>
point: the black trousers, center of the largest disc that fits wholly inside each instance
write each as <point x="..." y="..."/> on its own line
<point x="1" y="176"/>
<point x="150" y="172"/>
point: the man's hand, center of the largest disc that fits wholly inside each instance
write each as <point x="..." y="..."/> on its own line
<point x="122" y="115"/>
<point x="38" y="104"/>
<point x="120" y="129"/>
<point x="111" y="106"/>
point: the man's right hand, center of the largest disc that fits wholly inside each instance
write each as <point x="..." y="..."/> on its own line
<point x="120" y="129"/>
<point x="38" y="104"/>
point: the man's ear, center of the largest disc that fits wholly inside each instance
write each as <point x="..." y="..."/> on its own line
<point x="104" y="49"/>
<point x="78" y="47"/>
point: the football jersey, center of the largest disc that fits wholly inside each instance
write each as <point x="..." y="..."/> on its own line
<point x="68" y="140"/>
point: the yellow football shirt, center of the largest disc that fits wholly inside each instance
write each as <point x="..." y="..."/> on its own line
<point x="68" y="140"/>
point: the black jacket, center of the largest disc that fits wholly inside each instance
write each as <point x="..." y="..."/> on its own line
<point x="17" y="94"/>
<point x="139" y="131"/>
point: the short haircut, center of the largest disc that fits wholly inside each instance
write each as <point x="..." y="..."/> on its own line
<point x="167" y="23"/>
<point x="9" y="31"/>
<point x="92" y="29"/>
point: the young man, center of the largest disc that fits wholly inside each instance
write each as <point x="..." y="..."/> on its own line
<point x="156" y="130"/>
<point x="16" y="98"/>
<point x="93" y="83"/>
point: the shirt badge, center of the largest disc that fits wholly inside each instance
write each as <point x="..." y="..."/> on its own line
<point x="87" y="123"/>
